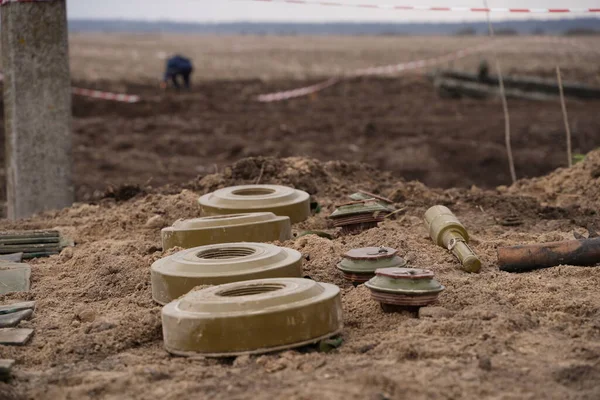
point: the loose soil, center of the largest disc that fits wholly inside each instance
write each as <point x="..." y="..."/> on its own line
<point x="394" y="124"/>
<point x="492" y="335"/>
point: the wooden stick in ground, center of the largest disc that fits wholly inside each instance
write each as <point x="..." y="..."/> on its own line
<point x="511" y="163"/>
<point x="565" y="116"/>
<point x="262" y="169"/>
<point x="395" y="212"/>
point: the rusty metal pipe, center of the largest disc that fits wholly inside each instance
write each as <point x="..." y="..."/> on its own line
<point x="583" y="252"/>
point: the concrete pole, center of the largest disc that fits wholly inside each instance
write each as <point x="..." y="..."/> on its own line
<point x="37" y="107"/>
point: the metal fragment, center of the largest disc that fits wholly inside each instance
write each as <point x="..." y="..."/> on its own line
<point x="12" y="257"/>
<point x="14" y="277"/>
<point x="13" y="319"/>
<point x="14" y="307"/>
<point x="28" y="234"/>
<point x="511" y="220"/>
<point x="15" y="336"/>
<point x="33" y="244"/>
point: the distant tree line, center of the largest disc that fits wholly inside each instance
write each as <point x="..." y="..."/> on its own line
<point x="470" y="31"/>
<point x="580" y="26"/>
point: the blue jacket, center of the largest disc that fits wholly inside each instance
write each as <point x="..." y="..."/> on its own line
<point x="177" y="65"/>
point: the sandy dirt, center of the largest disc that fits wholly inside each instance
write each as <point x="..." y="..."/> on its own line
<point x="492" y="335"/>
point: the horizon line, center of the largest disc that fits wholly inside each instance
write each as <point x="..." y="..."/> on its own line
<point x="563" y="18"/>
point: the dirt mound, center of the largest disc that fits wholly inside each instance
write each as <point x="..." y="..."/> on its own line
<point x="332" y="180"/>
<point x="567" y="186"/>
<point x="98" y="332"/>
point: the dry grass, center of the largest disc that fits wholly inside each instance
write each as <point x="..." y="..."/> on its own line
<point x="140" y="58"/>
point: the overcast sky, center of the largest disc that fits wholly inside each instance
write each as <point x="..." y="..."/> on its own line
<point x="228" y="10"/>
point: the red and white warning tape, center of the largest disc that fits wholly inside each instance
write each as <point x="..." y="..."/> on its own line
<point x="3" y="2"/>
<point x="126" y="98"/>
<point x="382" y="70"/>
<point x="394" y="68"/>
<point x="303" y="91"/>
<point x="435" y="8"/>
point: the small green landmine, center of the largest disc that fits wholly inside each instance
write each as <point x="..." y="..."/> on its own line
<point x="280" y="200"/>
<point x="359" y="265"/>
<point x="249" y="227"/>
<point x="252" y="317"/>
<point x="177" y="274"/>
<point x="404" y="287"/>
<point x="446" y="230"/>
<point x="357" y="216"/>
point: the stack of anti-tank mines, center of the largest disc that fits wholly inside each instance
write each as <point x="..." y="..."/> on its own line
<point x="359" y="265"/>
<point x="244" y="296"/>
<point x="230" y="293"/>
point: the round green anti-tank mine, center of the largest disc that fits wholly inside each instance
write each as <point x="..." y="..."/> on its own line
<point x="250" y="227"/>
<point x="408" y="287"/>
<point x="280" y="200"/>
<point x="252" y="317"/>
<point x="357" y="216"/>
<point x="177" y="274"/>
